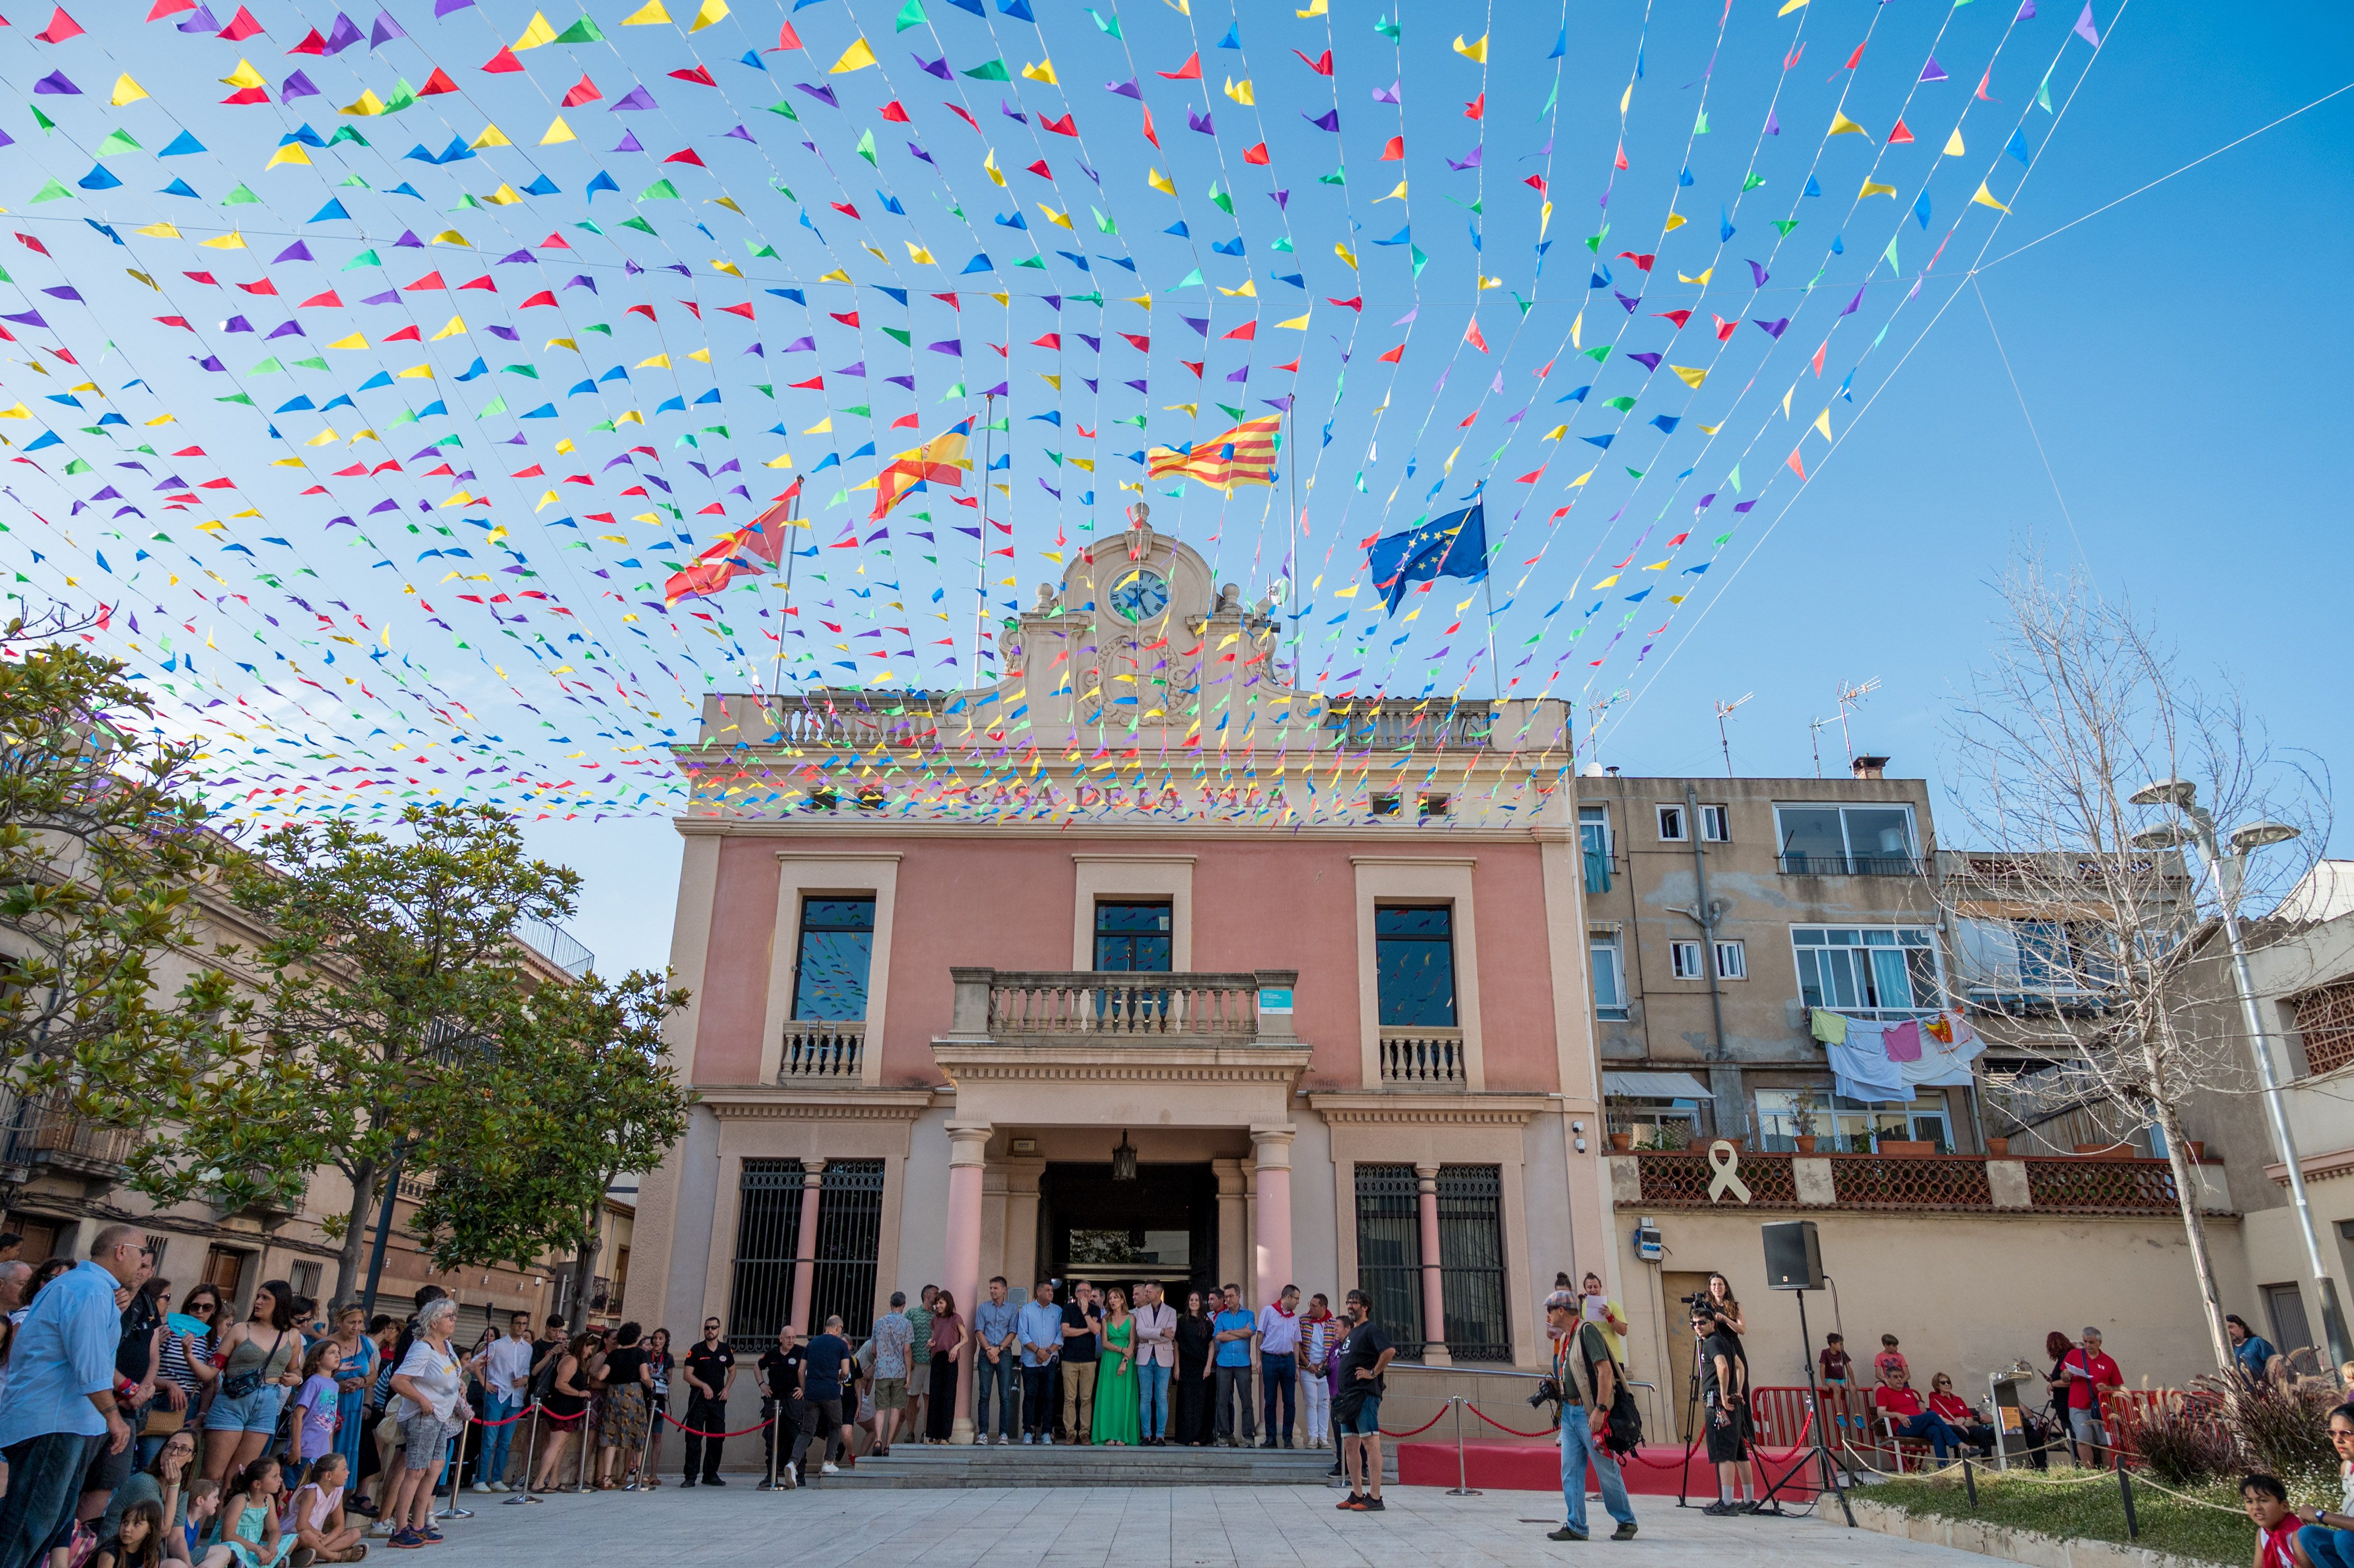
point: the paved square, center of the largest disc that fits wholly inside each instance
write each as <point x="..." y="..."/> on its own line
<point x="1132" y="1527"/>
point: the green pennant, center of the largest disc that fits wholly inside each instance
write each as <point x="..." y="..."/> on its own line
<point x="403" y="97"/>
<point x="760" y="251"/>
<point x="583" y="31"/>
<point x="911" y="15"/>
<point x="269" y="367"/>
<point x="239" y="197"/>
<point x="353" y="182"/>
<point x="364" y="259"/>
<point x="1337" y="177"/>
<point x="1754" y="181"/>
<point x="41" y="120"/>
<point x="315" y="362"/>
<point x="1786" y="225"/>
<point x="988" y="71"/>
<point x="638" y="223"/>
<point x="50" y="191"/>
<point x="661" y="190"/>
<point x="497" y="405"/>
<point x="118" y="140"/>
<point x="781" y="107"/>
<point x="904" y="339"/>
<point x="866" y="148"/>
<point x="236" y="398"/>
<point x="78" y="466"/>
<point x="347" y="133"/>
<point x="1420" y="259"/>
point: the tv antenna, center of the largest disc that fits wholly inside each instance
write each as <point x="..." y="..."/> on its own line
<point x="1723" y="712"/>
<point x="1852" y="697"/>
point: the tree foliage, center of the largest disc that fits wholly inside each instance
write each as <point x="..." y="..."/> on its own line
<point x="102" y="852"/>
<point x="582" y="1092"/>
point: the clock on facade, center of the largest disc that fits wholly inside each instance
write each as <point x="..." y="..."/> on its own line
<point x="1140" y="595"/>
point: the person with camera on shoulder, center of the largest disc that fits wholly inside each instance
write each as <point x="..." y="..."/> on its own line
<point x="1596" y="1423"/>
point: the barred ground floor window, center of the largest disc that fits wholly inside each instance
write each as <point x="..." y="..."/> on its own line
<point x="1390" y="1261"/>
<point x="771" y="1251"/>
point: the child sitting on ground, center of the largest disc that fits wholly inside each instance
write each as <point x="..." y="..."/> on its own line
<point x="318" y="1515"/>
<point x="2266" y="1502"/>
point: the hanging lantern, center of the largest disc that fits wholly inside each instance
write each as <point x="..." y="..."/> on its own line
<point x="1123" y="1159"/>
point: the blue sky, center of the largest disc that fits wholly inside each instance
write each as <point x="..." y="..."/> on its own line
<point x="2178" y="433"/>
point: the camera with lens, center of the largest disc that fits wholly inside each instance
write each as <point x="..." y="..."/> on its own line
<point x="1548" y="1393"/>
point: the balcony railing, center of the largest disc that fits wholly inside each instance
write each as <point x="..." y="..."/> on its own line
<point x="853" y="719"/>
<point x="1946" y="1183"/>
<point x="1244" y="1007"/>
<point x="823" y="1051"/>
<point x="1850" y="866"/>
<point x="46" y="1128"/>
<point x="1424" y="1059"/>
<point x="1396" y="725"/>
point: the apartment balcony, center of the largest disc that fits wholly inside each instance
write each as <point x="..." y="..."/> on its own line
<point x="1850" y="866"/>
<point x="43" y="1132"/>
<point x="1424" y="1059"/>
<point x="1944" y="1183"/>
<point x="820" y="1052"/>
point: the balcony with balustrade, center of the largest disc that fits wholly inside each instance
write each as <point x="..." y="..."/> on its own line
<point x="2092" y="1185"/>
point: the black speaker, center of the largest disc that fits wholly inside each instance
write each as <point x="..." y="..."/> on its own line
<point x="1793" y="1258"/>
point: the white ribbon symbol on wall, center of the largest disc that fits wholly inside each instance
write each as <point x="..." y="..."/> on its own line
<point x="1725" y="1159"/>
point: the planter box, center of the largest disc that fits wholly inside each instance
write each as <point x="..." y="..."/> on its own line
<point x="1905" y="1147"/>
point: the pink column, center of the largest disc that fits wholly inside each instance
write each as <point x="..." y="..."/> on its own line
<point x="805" y="1265"/>
<point x="1434" y="1300"/>
<point x="1271" y="1265"/>
<point x="967" y="1146"/>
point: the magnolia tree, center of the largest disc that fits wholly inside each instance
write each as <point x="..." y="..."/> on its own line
<point x="2085" y="929"/>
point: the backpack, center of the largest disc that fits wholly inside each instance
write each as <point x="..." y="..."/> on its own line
<point x="1624" y="1431"/>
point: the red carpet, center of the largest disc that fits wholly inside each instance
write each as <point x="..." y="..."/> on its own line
<point x="1653" y="1470"/>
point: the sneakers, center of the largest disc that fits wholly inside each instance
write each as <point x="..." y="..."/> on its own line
<point x="688" y="1482"/>
<point x="1565" y="1533"/>
<point x="500" y="1486"/>
<point x="766" y="1485"/>
<point x="830" y="1468"/>
<point x="405" y="1540"/>
<point x="482" y="1487"/>
<point x="1353" y="1503"/>
<point x="1623" y="1532"/>
<point x="431" y="1536"/>
<point x="1027" y="1438"/>
<point x="1721" y="1508"/>
<point x="713" y="1481"/>
<point x="1372" y="1505"/>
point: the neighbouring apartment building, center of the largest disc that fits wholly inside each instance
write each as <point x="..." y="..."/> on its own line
<point x="1139" y="963"/>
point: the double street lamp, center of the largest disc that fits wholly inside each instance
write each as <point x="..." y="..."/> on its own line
<point x="2230" y="870"/>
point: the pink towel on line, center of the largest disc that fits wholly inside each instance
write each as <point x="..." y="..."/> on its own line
<point x="1903" y="1041"/>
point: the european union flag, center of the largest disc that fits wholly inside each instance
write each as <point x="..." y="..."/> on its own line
<point x="1454" y="545"/>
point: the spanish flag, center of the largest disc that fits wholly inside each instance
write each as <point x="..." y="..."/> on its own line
<point x="939" y="461"/>
<point x="1244" y="455"/>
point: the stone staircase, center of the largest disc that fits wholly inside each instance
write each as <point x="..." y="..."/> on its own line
<point x="1064" y="1464"/>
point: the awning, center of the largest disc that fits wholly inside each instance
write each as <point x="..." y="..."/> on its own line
<point x="1656" y="1086"/>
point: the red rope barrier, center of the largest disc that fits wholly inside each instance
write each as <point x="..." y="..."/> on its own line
<point x="1792" y="1451"/>
<point x="1501" y="1427"/>
<point x="693" y="1432"/>
<point x="511" y="1420"/>
<point x="1417" y="1431"/>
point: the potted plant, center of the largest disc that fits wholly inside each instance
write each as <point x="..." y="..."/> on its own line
<point x="1663" y="1139"/>
<point x="1803" y="1107"/>
<point x="1622" y="1141"/>
<point x="1622" y="1133"/>
<point x="1997" y="1148"/>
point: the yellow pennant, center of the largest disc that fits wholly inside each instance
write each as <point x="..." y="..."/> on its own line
<point x="1477" y="52"/>
<point x="1842" y="126"/>
<point x="244" y="76"/>
<point x="1954" y="144"/>
<point x="857" y="57"/>
<point x="126" y="91"/>
<point x="538" y="33"/>
<point x="1042" y="71"/>
<point x="558" y="130"/>
<point x="1692" y="377"/>
<point x="646" y="16"/>
<point x="710" y="12"/>
<point x="1986" y="198"/>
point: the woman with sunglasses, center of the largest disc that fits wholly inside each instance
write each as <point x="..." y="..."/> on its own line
<point x="185" y="1363"/>
<point x="1957" y="1414"/>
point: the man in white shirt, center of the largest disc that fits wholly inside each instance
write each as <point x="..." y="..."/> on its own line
<point x="508" y="1379"/>
<point x="1278" y="1365"/>
<point x="1156" y="1361"/>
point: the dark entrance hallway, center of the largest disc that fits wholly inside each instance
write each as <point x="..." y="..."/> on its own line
<point x="1163" y="1225"/>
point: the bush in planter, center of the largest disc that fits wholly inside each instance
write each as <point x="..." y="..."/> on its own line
<point x="2284" y="1427"/>
<point x="2186" y="1446"/>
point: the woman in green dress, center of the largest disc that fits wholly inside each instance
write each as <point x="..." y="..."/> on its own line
<point x="1115" y="1403"/>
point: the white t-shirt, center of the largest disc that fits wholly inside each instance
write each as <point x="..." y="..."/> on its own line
<point x="509" y="1367"/>
<point x="437" y="1376"/>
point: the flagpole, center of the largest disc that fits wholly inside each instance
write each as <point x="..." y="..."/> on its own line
<point x="980" y="561"/>
<point x="1292" y="538"/>
<point x="1487" y="587"/>
<point x="777" y="681"/>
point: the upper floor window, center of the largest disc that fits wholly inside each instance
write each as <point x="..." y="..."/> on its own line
<point x="2039" y="957"/>
<point x="2324" y="1019"/>
<point x="837" y="948"/>
<point x="1133" y="937"/>
<point x="1414" y="965"/>
<point x="1841" y="1126"/>
<point x="1683" y="961"/>
<point x="1594" y="840"/>
<point x="1846" y="841"/>
<point x="1733" y="961"/>
<point x="1715" y="825"/>
<point x="1609" y="977"/>
<point x="1673" y="827"/>
<point x="1872" y="971"/>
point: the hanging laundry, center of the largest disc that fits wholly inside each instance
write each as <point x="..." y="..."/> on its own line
<point x="1904" y="1042"/>
<point x="1830" y="1028"/>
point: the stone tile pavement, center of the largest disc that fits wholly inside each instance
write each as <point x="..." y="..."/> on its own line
<point x="1130" y="1526"/>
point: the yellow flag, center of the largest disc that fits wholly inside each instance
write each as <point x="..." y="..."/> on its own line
<point x="919" y="255"/>
<point x="505" y="196"/>
<point x="558" y="130"/>
<point x="1873" y="188"/>
<point x="1399" y="195"/>
<point x="1249" y="290"/>
<point x="1701" y="280"/>
<point x="820" y="428"/>
<point x="836" y="276"/>
<point x="1478" y="51"/>
<point x="457" y="324"/>
<point x="1675" y="220"/>
<point x="711" y="11"/>
<point x="1063" y="218"/>
<point x="857" y="57"/>
<point x="1577" y="331"/>
<point x="1986" y="198"/>
<point x="1954" y="144"/>
<point x="646" y="16"/>
<point x="1158" y="182"/>
<point x="1240" y="92"/>
<point x="659" y="361"/>
<point x="491" y="136"/>
<point x="244" y="76"/>
<point x="126" y="91"/>
<point x="357" y="340"/>
<point x="1315" y="8"/>
<point x="1785" y="403"/>
<point x="1823" y="423"/>
<point x="162" y="230"/>
<point x="232" y="240"/>
<point x="701" y="354"/>
<point x="1606" y="582"/>
<point x="1693" y="377"/>
<point x="414" y="372"/>
<point x="1842" y="126"/>
<point x="1345" y="254"/>
<point x="1789" y="7"/>
<point x="538" y="33"/>
<point x="1042" y="71"/>
<point x="368" y="103"/>
<point x="988" y="167"/>
<point x="1296" y="324"/>
<point x="451" y="236"/>
<point x="717" y="265"/>
<point x="782" y="461"/>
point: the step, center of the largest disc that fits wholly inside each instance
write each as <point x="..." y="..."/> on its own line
<point x="1019" y="1466"/>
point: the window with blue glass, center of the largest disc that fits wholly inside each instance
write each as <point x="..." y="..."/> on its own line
<point x="1414" y="960"/>
<point x="1134" y="937"/>
<point x="837" y="949"/>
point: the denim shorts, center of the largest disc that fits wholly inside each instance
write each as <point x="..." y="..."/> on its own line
<point x="257" y="1412"/>
<point x="1366" y="1422"/>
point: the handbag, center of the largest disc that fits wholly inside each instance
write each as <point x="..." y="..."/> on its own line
<point x="248" y="1383"/>
<point x="163" y="1421"/>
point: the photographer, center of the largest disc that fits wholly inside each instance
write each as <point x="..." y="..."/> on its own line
<point x="1725" y="1403"/>
<point x="1584" y="1420"/>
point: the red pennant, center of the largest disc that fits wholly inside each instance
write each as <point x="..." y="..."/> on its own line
<point x="892" y="111"/>
<point x="248" y="95"/>
<point x="1062" y="127"/>
<point x="1257" y="155"/>
<point x="482" y="282"/>
<point x="240" y="27"/>
<point x="1190" y="71"/>
<point x="1149" y="134"/>
<point x="1855" y="57"/>
<point x="786" y="39"/>
<point x="503" y="62"/>
<point x="1471" y="335"/>
<point x="1395" y="152"/>
<point x="1393" y="355"/>
<point x="430" y="280"/>
<point x="744" y="310"/>
<point x="686" y="155"/>
<point x="163" y="8"/>
<point x="1620" y="161"/>
<point x="1793" y="465"/>
<point x="1901" y="133"/>
<point x="545" y="297"/>
<point x="62" y="27"/>
<point x="328" y="300"/>
<point x="312" y="43"/>
<point x="1245" y="333"/>
<point x="406" y="335"/>
<point x="438" y="82"/>
<point x="583" y="91"/>
<point x="701" y="73"/>
<point x="1679" y="317"/>
<point x="1321" y="66"/>
<point x="1476" y="108"/>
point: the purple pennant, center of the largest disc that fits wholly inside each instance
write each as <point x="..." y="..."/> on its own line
<point x="237" y="324"/>
<point x="1854" y="304"/>
<point x="64" y="291"/>
<point x="1280" y="199"/>
<point x="636" y="97"/>
<point x="1198" y="323"/>
<point x="997" y="391"/>
<point x="1933" y="71"/>
<point x="1388" y="94"/>
<point x="1005" y="107"/>
<point x="384" y="30"/>
<point x="389" y="297"/>
<point x="297" y="86"/>
<point x="1743" y="506"/>
<point x="1472" y="162"/>
<point x="24" y="318"/>
<point x="2026" y="11"/>
<point x="1648" y="361"/>
<point x="200" y="20"/>
<point x="857" y="367"/>
<point x="629" y="143"/>
<point x="6" y="139"/>
<point x="1772" y="126"/>
<point x="1242" y="375"/>
<point x="741" y="134"/>
<point x="1200" y="122"/>
<point x="513" y="255"/>
<point x="582" y="281"/>
<point x="1759" y="274"/>
<point x="2085" y="27"/>
<point x="298" y="251"/>
<point x="952" y="346"/>
<point x="822" y="94"/>
<point x="1126" y="89"/>
<point x="918" y="149"/>
<point x="287" y="329"/>
<point x="1772" y="329"/>
<point x="209" y="363"/>
<point x="343" y="35"/>
<point x="1625" y="300"/>
<point x="938" y="68"/>
<point x="910" y="383"/>
<point x="797" y="345"/>
<point x="409" y="241"/>
<point x="1328" y="121"/>
<point x="57" y="82"/>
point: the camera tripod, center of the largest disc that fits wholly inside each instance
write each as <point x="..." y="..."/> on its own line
<point x="1766" y="1503"/>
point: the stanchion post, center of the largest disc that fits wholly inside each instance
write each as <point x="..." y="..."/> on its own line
<point x="776" y="1436"/>
<point x="2125" y="1491"/>
<point x="1462" y="1487"/>
<point x="457" y="1470"/>
<point x="530" y="1458"/>
<point x="1970" y="1483"/>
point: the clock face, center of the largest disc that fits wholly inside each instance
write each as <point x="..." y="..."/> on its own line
<point x="1140" y="595"/>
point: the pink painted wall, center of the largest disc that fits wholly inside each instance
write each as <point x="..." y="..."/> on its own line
<point x="1007" y="904"/>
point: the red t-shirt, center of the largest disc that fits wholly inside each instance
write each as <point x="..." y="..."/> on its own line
<point x="2100" y="1369"/>
<point x="1950" y="1406"/>
<point x="1903" y="1403"/>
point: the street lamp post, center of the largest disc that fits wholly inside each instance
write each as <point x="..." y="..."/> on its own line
<point x="2229" y="870"/>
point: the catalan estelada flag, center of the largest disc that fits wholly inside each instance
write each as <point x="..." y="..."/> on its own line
<point x="939" y="461"/>
<point x="1244" y="455"/>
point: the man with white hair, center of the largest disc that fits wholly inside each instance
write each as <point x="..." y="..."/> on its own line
<point x="60" y="1413"/>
